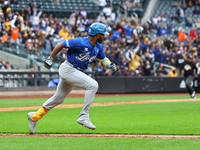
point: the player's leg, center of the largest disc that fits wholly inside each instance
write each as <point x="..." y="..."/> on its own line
<point x="189" y="87"/>
<point x="79" y="79"/>
<point x="91" y="86"/>
<point x="63" y="89"/>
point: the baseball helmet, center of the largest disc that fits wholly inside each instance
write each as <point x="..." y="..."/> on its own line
<point x="96" y="28"/>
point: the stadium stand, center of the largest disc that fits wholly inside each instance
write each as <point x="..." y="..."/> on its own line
<point x="152" y="48"/>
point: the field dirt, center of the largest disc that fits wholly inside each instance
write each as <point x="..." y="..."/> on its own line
<point x="97" y="104"/>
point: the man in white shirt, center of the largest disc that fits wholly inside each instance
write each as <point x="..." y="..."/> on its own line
<point x="102" y="4"/>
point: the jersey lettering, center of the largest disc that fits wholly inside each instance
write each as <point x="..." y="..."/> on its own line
<point x="83" y="56"/>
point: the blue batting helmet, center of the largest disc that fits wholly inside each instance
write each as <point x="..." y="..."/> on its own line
<point x="96" y="28"/>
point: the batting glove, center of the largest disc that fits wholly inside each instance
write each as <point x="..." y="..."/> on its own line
<point x="113" y="67"/>
<point x="48" y="62"/>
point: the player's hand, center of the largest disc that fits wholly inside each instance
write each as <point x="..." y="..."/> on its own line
<point x="113" y="67"/>
<point x="48" y="62"/>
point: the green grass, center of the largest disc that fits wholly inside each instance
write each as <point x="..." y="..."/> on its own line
<point x="176" y="118"/>
<point x="154" y="118"/>
<point x="60" y="143"/>
<point x="78" y="100"/>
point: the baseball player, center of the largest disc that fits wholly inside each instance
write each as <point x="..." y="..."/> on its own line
<point x="81" y="52"/>
<point x="189" y="71"/>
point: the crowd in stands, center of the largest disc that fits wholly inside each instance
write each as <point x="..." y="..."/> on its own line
<point x="129" y="45"/>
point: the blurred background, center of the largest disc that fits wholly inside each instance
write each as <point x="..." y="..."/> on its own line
<point x="149" y="41"/>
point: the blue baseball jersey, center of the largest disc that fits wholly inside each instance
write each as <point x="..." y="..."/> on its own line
<point x="81" y="52"/>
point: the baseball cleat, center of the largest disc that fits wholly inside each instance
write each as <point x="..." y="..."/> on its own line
<point x="193" y="95"/>
<point x="32" y="123"/>
<point x="87" y="123"/>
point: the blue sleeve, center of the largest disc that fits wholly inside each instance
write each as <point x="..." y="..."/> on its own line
<point x="101" y="54"/>
<point x="72" y="43"/>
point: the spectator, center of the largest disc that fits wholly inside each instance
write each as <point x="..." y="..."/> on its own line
<point x="160" y="30"/>
<point x="180" y="14"/>
<point x="129" y="31"/>
<point x="102" y="4"/>
<point x="4" y="38"/>
<point x="8" y="66"/>
<point x="172" y="73"/>
<point x="116" y="35"/>
<point x="107" y="11"/>
<point x="161" y="18"/>
<point x="135" y="62"/>
<point x="72" y="19"/>
<point x="181" y="35"/>
<point x="169" y="29"/>
<point x="2" y="65"/>
<point x="189" y="22"/>
<point x="155" y="19"/>
<point x="50" y="29"/>
<point x="101" y="18"/>
<point x="65" y="22"/>
<point x="174" y="18"/>
<point x="147" y="68"/>
<point x="29" y="46"/>
<point x="162" y="70"/>
<point x="196" y="11"/>
<point x="15" y="37"/>
<point x="193" y="33"/>
<point x="34" y="7"/>
<point x="83" y="14"/>
<point x="65" y="33"/>
<point x="6" y="8"/>
<point x="36" y="18"/>
<point x="7" y="25"/>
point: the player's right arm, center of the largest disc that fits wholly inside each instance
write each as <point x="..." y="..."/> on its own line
<point x="49" y="61"/>
<point x="64" y="44"/>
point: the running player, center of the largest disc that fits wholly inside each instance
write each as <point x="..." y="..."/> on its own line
<point x="81" y="52"/>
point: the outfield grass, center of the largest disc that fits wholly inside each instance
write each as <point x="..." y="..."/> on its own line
<point x="177" y="118"/>
<point x="60" y="143"/>
<point x="154" y="118"/>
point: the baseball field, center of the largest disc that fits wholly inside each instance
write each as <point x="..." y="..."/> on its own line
<point x="128" y="122"/>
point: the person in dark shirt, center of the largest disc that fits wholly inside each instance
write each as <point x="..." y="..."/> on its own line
<point x="189" y="71"/>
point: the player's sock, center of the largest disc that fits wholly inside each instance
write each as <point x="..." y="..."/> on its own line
<point x="39" y="114"/>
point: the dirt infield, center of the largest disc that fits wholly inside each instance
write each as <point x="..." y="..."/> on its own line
<point x="105" y="136"/>
<point x="102" y="135"/>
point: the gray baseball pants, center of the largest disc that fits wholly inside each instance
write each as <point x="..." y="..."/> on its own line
<point x="188" y="82"/>
<point x="70" y="77"/>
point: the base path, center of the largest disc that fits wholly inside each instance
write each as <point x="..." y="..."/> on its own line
<point x="106" y="136"/>
<point x="99" y="104"/>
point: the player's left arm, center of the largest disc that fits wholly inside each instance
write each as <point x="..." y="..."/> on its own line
<point x="101" y="57"/>
<point x="107" y="63"/>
